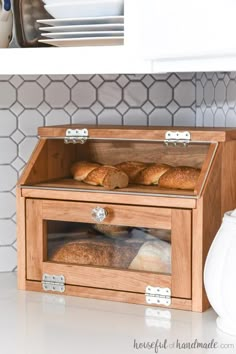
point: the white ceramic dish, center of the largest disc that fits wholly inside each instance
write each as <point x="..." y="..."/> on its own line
<point x="82" y="42"/>
<point x="82" y="21"/>
<point x="84" y="28"/>
<point x="86" y="8"/>
<point x="61" y="35"/>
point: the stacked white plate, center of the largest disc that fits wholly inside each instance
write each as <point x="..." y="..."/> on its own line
<point x="103" y="27"/>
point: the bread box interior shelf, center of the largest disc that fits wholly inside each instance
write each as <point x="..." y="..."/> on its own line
<point x="135" y="237"/>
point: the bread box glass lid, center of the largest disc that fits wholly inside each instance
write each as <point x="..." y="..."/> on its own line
<point x="123" y="160"/>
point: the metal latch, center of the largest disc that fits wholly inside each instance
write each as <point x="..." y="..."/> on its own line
<point x="158" y="296"/>
<point x="176" y="137"/>
<point x="75" y="136"/>
<point x="53" y="283"/>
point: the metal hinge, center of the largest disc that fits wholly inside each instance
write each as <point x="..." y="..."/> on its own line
<point x="75" y="136"/>
<point x="53" y="283"/>
<point x="158" y="296"/>
<point x="175" y="137"/>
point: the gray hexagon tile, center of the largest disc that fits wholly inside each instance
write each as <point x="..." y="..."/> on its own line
<point x="160" y="94"/>
<point x="110" y="116"/>
<point x="185" y="117"/>
<point x="7" y="122"/>
<point x="83" y="94"/>
<point x="30" y="94"/>
<point x="7" y="205"/>
<point x="57" y="94"/>
<point x="8" y="151"/>
<point x="8" y="94"/>
<point x="84" y="116"/>
<point x="135" y="116"/>
<point x="8" y="178"/>
<point x="8" y="232"/>
<point x="135" y="94"/>
<point x="56" y="117"/>
<point x="185" y="94"/>
<point x="109" y="94"/>
<point x="160" y="116"/>
<point x="29" y="121"/>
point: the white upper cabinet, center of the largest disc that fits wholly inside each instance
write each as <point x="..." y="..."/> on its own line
<point x="184" y="35"/>
<point x="159" y="36"/>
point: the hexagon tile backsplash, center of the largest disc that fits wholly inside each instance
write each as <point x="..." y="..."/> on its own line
<point x="26" y="102"/>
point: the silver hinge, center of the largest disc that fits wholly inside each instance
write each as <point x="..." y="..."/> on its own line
<point x="175" y="137"/>
<point x="53" y="283"/>
<point x="158" y="296"/>
<point x="75" y="136"/>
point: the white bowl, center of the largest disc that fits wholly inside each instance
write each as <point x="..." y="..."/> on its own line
<point x="95" y="8"/>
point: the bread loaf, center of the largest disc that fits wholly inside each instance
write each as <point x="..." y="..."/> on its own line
<point x="181" y="177"/>
<point x="131" y="168"/>
<point x="153" y="256"/>
<point x="80" y="170"/>
<point x="97" y="253"/>
<point x="94" y="174"/>
<point x="151" y="174"/>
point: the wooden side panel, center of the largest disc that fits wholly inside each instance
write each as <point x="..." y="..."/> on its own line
<point x="112" y="295"/>
<point x="21" y="243"/>
<point x="117" y="214"/>
<point x="206" y="222"/>
<point x="205" y="168"/>
<point x="181" y="253"/>
<point x="34" y="237"/>
<point x="36" y="169"/>
<point x="228" y="177"/>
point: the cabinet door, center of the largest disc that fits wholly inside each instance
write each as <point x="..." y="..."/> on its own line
<point x="180" y="29"/>
<point x="131" y="248"/>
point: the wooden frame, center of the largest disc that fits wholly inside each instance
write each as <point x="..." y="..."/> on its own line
<point x="39" y="211"/>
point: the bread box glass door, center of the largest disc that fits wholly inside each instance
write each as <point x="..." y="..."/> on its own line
<point x="110" y="246"/>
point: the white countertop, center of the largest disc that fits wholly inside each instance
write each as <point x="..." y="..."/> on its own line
<point x="36" y="323"/>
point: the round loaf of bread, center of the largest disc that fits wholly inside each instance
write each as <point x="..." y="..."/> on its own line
<point x="96" y="253"/>
<point x="81" y="169"/>
<point x="151" y="174"/>
<point x="153" y="256"/>
<point x="131" y="168"/>
<point x="182" y="177"/>
<point x="107" y="176"/>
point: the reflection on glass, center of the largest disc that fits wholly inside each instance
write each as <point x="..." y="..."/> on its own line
<point x="111" y="246"/>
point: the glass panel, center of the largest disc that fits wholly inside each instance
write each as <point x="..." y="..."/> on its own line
<point x="111" y="246"/>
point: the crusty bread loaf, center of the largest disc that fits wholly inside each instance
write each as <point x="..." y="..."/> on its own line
<point x="131" y="168"/>
<point x="81" y="169"/>
<point x="97" y="253"/>
<point x="151" y="174"/>
<point x="95" y="174"/>
<point x="182" y="177"/>
<point x="153" y="256"/>
<point x="109" y="177"/>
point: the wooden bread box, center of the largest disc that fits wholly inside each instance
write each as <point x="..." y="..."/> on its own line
<point x="141" y="244"/>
